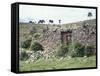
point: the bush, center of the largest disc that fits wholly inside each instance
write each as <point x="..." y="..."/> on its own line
<point x="76" y="50"/>
<point x="62" y="51"/>
<point x="90" y="50"/>
<point x="37" y="35"/>
<point x="23" y="55"/>
<point x="37" y="47"/>
<point x="26" y="44"/>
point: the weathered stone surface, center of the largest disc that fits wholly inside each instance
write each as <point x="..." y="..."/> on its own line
<point x="83" y="32"/>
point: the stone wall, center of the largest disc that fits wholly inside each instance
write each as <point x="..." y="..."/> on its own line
<point x="85" y="33"/>
<point x="50" y="41"/>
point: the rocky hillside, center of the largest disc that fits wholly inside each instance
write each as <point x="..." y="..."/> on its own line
<point x="50" y="35"/>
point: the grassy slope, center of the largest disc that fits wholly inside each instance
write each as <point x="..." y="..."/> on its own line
<point x="55" y="63"/>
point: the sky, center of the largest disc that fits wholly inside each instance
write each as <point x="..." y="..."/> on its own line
<point x="65" y="14"/>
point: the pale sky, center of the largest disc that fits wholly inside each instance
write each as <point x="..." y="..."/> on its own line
<point x="65" y="14"/>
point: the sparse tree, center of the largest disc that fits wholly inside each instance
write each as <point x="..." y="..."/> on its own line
<point x="30" y="21"/>
<point x="89" y="14"/>
<point x="41" y="21"/>
<point x="51" y="21"/>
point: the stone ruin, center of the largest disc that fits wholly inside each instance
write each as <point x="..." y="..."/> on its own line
<point x="85" y="34"/>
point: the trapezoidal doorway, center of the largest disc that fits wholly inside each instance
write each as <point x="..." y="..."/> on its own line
<point x="66" y="37"/>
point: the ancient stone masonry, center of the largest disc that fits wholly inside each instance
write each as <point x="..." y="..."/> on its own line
<point x="55" y="35"/>
<point x="85" y="34"/>
<point x="51" y="40"/>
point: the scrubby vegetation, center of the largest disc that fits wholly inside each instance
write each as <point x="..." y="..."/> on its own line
<point x="23" y="56"/>
<point x="26" y="43"/>
<point x="56" y="63"/>
<point x="76" y="49"/>
<point x="37" y="47"/>
<point x="37" y="35"/>
<point x="90" y="50"/>
<point x="62" y="51"/>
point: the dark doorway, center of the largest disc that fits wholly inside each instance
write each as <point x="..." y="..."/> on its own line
<point x="66" y="37"/>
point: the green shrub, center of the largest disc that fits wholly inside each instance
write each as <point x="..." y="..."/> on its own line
<point x="62" y="51"/>
<point x="26" y="44"/>
<point x="23" y="55"/>
<point x="37" y="35"/>
<point x="37" y="47"/>
<point x="90" y="50"/>
<point x="76" y="49"/>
